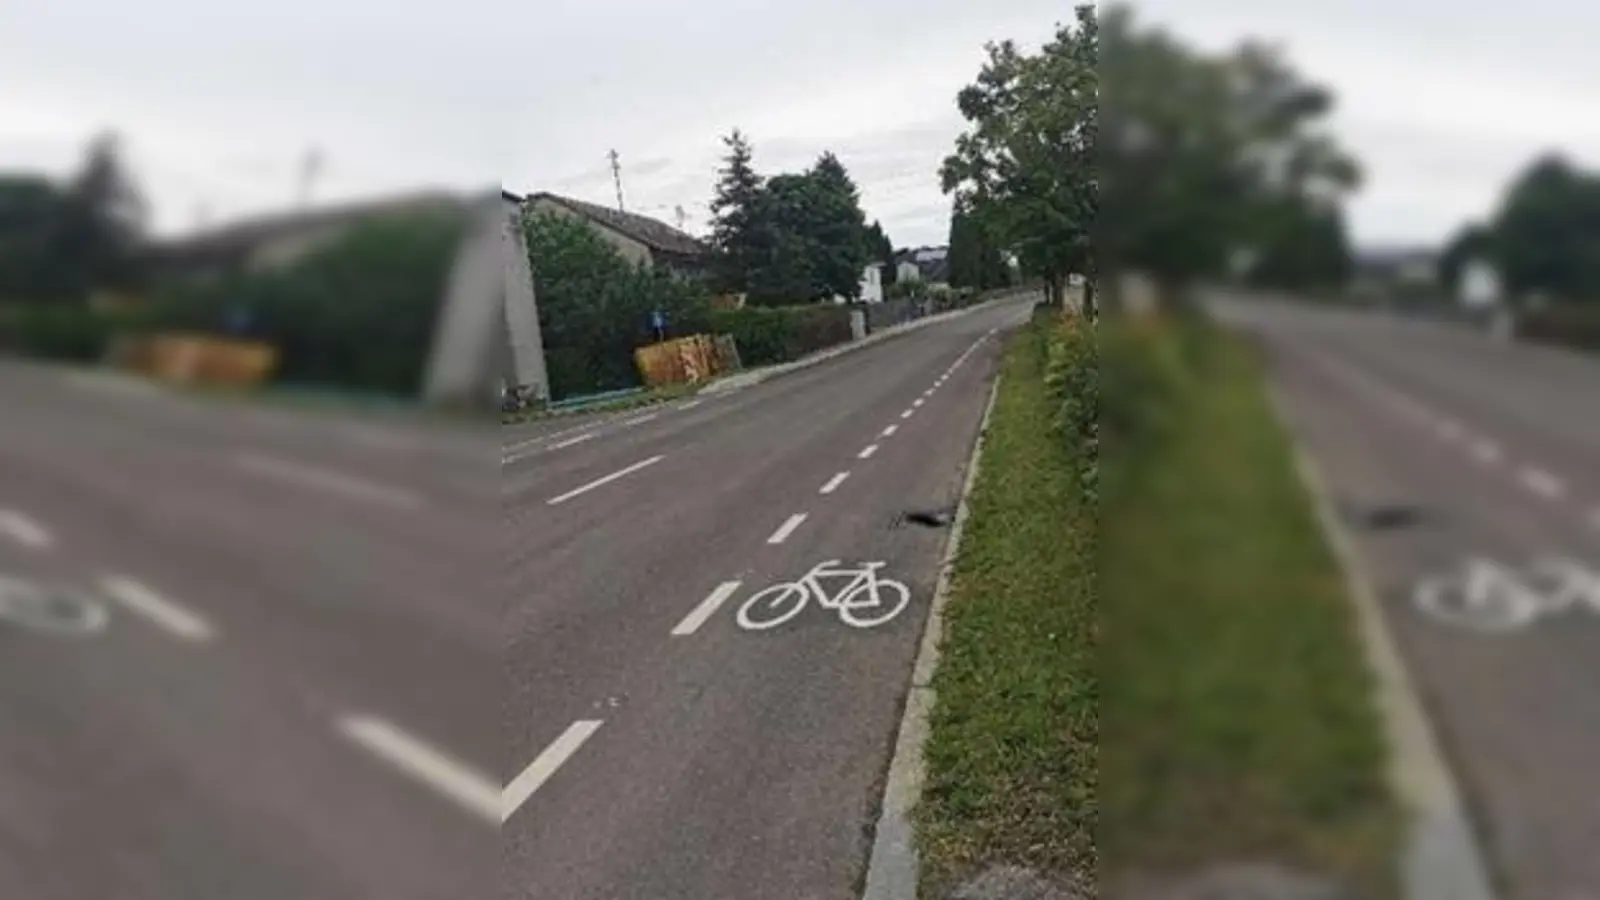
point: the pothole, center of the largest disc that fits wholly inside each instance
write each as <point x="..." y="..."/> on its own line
<point x="50" y="609"/>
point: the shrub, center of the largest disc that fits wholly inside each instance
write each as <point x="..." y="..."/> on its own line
<point x="768" y="335"/>
<point x="1073" y="375"/>
<point x="595" y="306"/>
<point x="1570" y="325"/>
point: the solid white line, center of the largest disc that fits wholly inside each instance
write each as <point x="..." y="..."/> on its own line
<point x="602" y="482"/>
<point x="867" y="452"/>
<point x="1543" y="483"/>
<point x="786" y="529"/>
<point x="545" y="765"/>
<point x="707" y="608"/>
<point x="455" y="780"/>
<point x="908" y="414"/>
<point x="327" y="480"/>
<point x="24" y="530"/>
<point x="573" y="442"/>
<point x="639" y="420"/>
<point x="1486" y="452"/>
<point x="889" y="432"/>
<point x="834" y="482"/>
<point x="158" y="610"/>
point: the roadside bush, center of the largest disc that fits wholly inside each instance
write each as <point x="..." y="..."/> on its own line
<point x="1569" y="325"/>
<point x="1072" y="373"/>
<point x="595" y="306"/>
<point x="769" y="335"/>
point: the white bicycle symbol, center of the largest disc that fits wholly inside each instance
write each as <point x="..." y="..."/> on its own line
<point x="866" y="602"/>
<point x="1493" y="598"/>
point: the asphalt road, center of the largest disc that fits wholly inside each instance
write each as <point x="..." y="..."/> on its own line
<point x="1470" y="450"/>
<point x="653" y="747"/>
<point x="293" y="690"/>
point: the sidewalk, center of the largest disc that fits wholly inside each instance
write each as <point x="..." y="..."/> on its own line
<point x="741" y="380"/>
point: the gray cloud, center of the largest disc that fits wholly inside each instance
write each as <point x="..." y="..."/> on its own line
<point x="1442" y="100"/>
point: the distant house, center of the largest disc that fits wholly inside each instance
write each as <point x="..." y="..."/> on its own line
<point x="929" y="264"/>
<point x="1387" y="269"/>
<point x="280" y="239"/>
<point x="639" y="239"/>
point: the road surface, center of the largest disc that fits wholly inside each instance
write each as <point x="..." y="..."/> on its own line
<point x="656" y="748"/>
<point x="293" y="692"/>
<point x="1451" y="454"/>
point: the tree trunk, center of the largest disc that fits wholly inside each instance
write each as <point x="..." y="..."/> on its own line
<point x="1090" y="308"/>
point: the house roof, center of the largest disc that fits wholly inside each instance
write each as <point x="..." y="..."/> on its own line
<point x="244" y="234"/>
<point x="654" y="234"/>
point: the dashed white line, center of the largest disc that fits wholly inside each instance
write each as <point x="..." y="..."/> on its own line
<point x="158" y="610"/>
<point x="707" y="608"/>
<point x="24" y="530"/>
<point x="602" y="482"/>
<point x="1543" y="483"/>
<point x="639" y="420"/>
<point x="908" y="414"/>
<point x="545" y="765"/>
<point x="1451" y="430"/>
<point x="573" y="442"/>
<point x="332" y="482"/>
<point x="1486" y="452"/>
<point x="867" y="451"/>
<point x="917" y="403"/>
<point x="889" y="432"/>
<point x="787" y="528"/>
<point x="690" y="405"/>
<point x="834" y="482"/>
<point x="454" y="779"/>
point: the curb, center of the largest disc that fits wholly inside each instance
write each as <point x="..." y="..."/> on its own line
<point x="1442" y="859"/>
<point x="893" y="867"/>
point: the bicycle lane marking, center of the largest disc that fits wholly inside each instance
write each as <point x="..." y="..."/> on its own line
<point x="707" y="608"/>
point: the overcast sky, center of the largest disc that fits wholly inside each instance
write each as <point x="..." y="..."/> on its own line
<point x="218" y="103"/>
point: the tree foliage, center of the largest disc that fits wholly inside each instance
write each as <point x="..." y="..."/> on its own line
<point x="61" y="241"/>
<point x="1546" y="234"/>
<point x="1201" y="153"/>
<point x="976" y="259"/>
<point x="1026" y="166"/>
<point x="595" y="307"/>
<point x="793" y="237"/>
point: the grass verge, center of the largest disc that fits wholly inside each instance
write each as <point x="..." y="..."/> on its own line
<point x="1010" y="760"/>
<point x="1239" y="722"/>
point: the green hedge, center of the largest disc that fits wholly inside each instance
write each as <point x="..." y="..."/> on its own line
<point x="1072" y="372"/>
<point x="1571" y="326"/>
<point x="768" y="335"/>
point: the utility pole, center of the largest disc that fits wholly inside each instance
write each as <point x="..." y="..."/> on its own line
<point x="310" y="168"/>
<point x="616" y="175"/>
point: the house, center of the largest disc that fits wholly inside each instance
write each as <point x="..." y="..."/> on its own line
<point x="929" y="264"/>
<point x="871" y="289"/>
<point x="1407" y="269"/>
<point x="640" y="239"/>
<point x="279" y="239"/>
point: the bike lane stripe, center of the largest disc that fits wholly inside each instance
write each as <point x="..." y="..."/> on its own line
<point x="544" y="766"/>
<point x="787" y="528"/>
<point x="602" y="482"/>
<point x="707" y="608"/>
<point x="1543" y="483"/>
